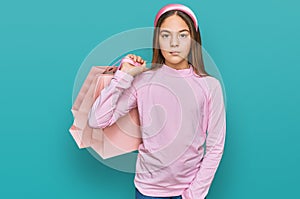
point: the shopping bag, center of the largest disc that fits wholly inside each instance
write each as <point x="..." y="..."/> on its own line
<point x="79" y="109"/>
<point x="122" y="137"/>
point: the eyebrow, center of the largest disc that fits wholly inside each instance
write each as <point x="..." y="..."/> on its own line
<point x="169" y="31"/>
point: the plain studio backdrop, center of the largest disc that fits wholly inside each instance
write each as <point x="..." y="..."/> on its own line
<point x="255" y="45"/>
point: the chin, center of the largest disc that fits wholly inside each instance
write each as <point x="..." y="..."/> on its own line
<point x="174" y="60"/>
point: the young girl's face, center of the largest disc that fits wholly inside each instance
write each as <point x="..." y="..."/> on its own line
<point x="174" y="40"/>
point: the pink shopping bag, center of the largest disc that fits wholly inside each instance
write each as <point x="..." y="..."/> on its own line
<point x="122" y="137"/>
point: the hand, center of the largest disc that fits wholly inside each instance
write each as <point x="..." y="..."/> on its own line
<point x="131" y="69"/>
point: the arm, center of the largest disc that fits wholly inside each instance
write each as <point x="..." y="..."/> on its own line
<point x="114" y="101"/>
<point x="215" y="140"/>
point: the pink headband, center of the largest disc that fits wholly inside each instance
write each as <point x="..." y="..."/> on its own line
<point x="177" y="7"/>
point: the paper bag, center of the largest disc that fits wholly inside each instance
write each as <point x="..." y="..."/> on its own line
<point x="122" y="137"/>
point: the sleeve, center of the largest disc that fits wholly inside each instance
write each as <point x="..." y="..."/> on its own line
<point x="215" y="140"/>
<point x="114" y="101"/>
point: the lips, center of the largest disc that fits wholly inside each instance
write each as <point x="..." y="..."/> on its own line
<point x="174" y="53"/>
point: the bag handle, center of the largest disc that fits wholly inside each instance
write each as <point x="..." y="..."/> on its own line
<point x="111" y="69"/>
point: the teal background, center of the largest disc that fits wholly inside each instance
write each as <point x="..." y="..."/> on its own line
<point x="42" y="45"/>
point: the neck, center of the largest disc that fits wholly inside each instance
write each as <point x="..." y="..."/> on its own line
<point x="182" y="65"/>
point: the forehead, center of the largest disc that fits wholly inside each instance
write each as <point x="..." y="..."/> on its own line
<point x="174" y="23"/>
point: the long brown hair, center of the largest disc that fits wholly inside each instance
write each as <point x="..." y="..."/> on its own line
<point x="195" y="55"/>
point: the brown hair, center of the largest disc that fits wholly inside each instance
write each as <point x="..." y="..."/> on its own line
<point x="195" y="54"/>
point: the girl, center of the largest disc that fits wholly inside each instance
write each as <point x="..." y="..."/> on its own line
<point x="181" y="110"/>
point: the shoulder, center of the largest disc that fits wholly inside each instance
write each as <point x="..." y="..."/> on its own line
<point x="145" y="74"/>
<point x="212" y="82"/>
<point x="212" y="85"/>
<point x="144" y="77"/>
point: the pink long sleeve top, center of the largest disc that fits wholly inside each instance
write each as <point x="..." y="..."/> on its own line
<point x="183" y="125"/>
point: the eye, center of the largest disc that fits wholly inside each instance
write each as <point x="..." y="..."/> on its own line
<point x="183" y="35"/>
<point x="164" y="35"/>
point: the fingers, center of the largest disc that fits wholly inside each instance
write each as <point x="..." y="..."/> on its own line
<point x="136" y="58"/>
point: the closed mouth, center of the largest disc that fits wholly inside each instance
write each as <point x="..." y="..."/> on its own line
<point x="174" y="52"/>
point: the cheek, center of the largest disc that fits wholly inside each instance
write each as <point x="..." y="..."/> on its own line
<point x="186" y="46"/>
<point x="163" y="44"/>
<point x="164" y="53"/>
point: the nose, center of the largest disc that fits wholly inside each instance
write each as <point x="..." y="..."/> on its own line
<point x="174" y="41"/>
